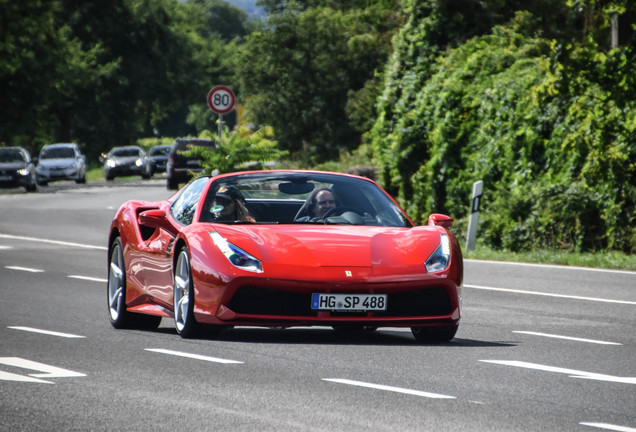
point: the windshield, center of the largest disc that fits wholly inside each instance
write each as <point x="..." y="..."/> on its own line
<point x="11" y="155"/>
<point x="125" y="152"/>
<point x="296" y="198"/>
<point x="160" y="151"/>
<point x="57" y="153"/>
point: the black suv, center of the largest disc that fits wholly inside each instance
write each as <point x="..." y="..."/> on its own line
<point x="180" y="168"/>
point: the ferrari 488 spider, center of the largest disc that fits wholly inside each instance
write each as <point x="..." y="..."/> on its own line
<point x="280" y="249"/>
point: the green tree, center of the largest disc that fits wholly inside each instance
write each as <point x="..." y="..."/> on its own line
<point x="223" y="19"/>
<point x="104" y="73"/>
<point x="299" y="72"/>
<point x="42" y="66"/>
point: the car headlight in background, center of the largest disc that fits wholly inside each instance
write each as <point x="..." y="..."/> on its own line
<point x="23" y="172"/>
<point x="237" y="256"/>
<point x="139" y="162"/>
<point x="110" y="163"/>
<point x="439" y="259"/>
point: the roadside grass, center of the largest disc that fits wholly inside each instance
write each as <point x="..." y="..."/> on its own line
<point x="608" y="260"/>
<point x="94" y="174"/>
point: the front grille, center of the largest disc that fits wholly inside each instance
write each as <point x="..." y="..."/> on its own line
<point x="266" y="301"/>
<point x="430" y="301"/>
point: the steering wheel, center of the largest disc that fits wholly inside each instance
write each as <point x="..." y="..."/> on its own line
<point x="337" y="211"/>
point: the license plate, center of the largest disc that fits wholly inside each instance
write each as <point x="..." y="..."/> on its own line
<point x="349" y="302"/>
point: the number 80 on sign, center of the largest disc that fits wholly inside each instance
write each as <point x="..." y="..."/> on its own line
<point x="221" y="99"/>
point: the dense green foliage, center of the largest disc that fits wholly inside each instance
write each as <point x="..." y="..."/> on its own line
<point x="529" y="96"/>
<point x="549" y="125"/>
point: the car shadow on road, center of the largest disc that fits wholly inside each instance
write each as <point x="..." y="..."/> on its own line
<point x="328" y="336"/>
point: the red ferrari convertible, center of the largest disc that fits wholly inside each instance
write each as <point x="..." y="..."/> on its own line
<point x="279" y="249"/>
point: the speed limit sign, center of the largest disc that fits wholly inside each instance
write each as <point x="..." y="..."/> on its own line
<point x="221" y="99"/>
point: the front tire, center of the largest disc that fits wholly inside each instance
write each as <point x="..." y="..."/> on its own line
<point x="184" y="321"/>
<point x="116" y="286"/>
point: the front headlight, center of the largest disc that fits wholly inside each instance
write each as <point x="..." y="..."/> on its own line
<point x="110" y="163"/>
<point x="139" y="162"/>
<point x="439" y="259"/>
<point x="237" y="256"/>
<point x="23" y="172"/>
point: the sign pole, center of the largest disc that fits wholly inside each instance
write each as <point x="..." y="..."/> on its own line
<point x="471" y="236"/>
<point x="220" y="126"/>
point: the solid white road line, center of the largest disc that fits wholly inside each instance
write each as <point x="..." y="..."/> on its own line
<point x="538" y="293"/>
<point x="193" y="356"/>
<point x="554" y="266"/>
<point x="566" y="337"/>
<point x="389" y="388"/>
<point x="573" y="373"/>
<point x="88" y="278"/>
<point x="46" y="332"/>
<point x="610" y="427"/>
<point x="26" y="269"/>
<point x="55" y="242"/>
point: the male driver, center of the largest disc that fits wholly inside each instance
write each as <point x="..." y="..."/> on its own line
<point x="319" y="202"/>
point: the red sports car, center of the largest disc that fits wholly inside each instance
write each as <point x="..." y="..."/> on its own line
<point x="283" y="248"/>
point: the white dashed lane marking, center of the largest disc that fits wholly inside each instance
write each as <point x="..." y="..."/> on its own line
<point x="389" y="388"/>
<point x="193" y="356"/>
<point x="25" y="269"/>
<point x="576" y="339"/>
<point x="46" y="332"/>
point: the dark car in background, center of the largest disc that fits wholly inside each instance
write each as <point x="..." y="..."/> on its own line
<point x="17" y="169"/>
<point x="182" y="168"/>
<point x="126" y="161"/>
<point x="62" y="161"/>
<point x="159" y="158"/>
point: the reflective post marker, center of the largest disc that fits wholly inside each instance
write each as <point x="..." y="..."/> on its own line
<point x="471" y="236"/>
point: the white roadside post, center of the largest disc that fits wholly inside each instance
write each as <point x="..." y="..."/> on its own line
<point x="471" y="236"/>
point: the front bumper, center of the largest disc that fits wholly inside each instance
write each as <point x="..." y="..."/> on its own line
<point x="124" y="170"/>
<point x="54" y="174"/>
<point x="434" y="302"/>
<point x="10" y="179"/>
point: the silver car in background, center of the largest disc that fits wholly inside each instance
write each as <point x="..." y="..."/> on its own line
<point x="61" y="162"/>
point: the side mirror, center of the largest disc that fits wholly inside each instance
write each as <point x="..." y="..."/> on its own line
<point x="156" y="219"/>
<point x="437" y="219"/>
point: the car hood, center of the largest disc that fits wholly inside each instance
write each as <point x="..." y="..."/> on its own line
<point x="12" y="166"/>
<point x="51" y="163"/>
<point x="335" y="245"/>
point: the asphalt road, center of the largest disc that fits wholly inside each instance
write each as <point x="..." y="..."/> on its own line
<point x="539" y="348"/>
